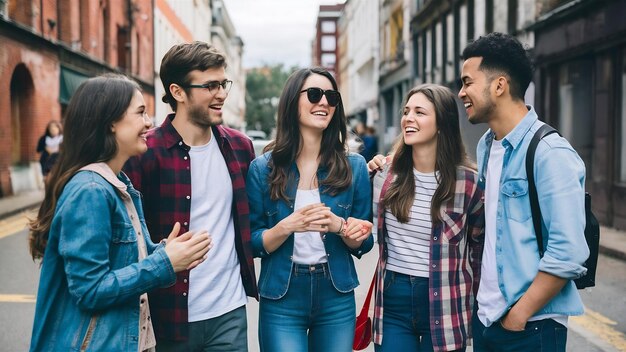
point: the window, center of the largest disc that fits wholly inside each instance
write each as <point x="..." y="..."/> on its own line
<point x="328" y="60"/>
<point x="328" y="26"/>
<point x="328" y="43"/>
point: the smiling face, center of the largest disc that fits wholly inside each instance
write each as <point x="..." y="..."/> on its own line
<point x="130" y="131"/>
<point x="419" y="121"/>
<point x="315" y="116"/>
<point x="204" y="108"/>
<point x="476" y="92"/>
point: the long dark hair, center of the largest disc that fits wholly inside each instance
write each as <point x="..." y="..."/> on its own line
<point x="287" y="145"/>
<point x="87" y="138"/>
<point x="450" y="155"/>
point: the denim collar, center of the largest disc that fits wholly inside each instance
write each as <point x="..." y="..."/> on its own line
<point x="120" y="182"/>
<point x="516" y="136"/>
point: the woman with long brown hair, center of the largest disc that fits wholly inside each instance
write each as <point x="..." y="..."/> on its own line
<point x="97" y="258"/>
<point x="430" y="230"/>
<point x="310" y="202"/>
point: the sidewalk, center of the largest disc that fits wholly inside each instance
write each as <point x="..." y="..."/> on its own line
<point x="612" y="241"/>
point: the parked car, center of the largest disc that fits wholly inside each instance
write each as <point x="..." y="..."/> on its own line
<point x="255" y="134"/>
<point x="259" y="144"/>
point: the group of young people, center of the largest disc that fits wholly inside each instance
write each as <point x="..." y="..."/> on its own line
<point x="456" y="242"/>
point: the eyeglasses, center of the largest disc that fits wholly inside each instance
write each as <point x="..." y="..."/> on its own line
<point x="213" y="86"/>
<point x="315" y="95"/>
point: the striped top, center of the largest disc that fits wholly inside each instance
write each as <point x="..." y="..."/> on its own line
<point x="409" y="243"/>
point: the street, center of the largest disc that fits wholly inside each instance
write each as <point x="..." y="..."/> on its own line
<point x="602" y="328"/>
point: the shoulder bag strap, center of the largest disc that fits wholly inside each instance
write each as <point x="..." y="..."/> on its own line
<point x="532" y="188"/>
<point x="366" y="304"/>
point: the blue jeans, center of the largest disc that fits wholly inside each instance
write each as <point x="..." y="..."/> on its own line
<point x="311" y="316"/>
<point x="541" y="336"/>
<point x="406" y="314"/>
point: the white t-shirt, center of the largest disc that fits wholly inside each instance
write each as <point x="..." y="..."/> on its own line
<point x="215" y="286"/>
<point x="491" y="302"/>
<point x="308" y="247"/>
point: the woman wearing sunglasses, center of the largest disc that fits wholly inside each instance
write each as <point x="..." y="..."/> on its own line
<point x="309" y="205"/>
<point x="430" y="226"/>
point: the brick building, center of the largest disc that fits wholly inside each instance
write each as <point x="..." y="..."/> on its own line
<point x="47" y="48"/>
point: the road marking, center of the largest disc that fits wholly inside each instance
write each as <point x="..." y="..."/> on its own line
<point x="14" y="224"/>
<point x="597" y="329"/>
<point x="17" y="298"/>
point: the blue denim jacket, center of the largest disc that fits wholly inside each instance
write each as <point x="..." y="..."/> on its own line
<point x="90" y="272"/>
<point x="355" y="201"/>
<point x="560" y="181"/>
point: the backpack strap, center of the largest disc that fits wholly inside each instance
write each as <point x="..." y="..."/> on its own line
<point x="532" y="188"/>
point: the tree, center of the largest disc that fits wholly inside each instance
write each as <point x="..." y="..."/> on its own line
<point x="263" y="88"/>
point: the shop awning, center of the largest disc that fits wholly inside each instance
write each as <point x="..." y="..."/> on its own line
<point x="69" y="81"/>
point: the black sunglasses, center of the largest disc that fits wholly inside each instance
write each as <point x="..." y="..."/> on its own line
<point x="315" y="95"/>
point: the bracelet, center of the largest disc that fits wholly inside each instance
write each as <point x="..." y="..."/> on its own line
<point x="341" y="226"/>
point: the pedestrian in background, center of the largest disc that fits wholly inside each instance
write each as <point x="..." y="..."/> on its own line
<point x="98" y="260"/>
<point x="194" y="173"/>
<point x="48" y="145"/>
<point x="310" y="202"/>
<point x="524" y="300"/>
<point x="431" y="230"/>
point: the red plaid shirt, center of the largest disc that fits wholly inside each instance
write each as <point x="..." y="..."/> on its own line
<point x="456" y="247"/>
<point x="163" y="175"/>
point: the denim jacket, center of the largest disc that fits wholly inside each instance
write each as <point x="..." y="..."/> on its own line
<point x="560" y="181"/>
<point x="88" y="297"/>
<point x="355" y="201"/>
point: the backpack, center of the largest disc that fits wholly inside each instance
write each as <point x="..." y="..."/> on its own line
<point x="592" y="227"/>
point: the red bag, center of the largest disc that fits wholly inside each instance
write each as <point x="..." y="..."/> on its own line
<point x="363" y="327"/>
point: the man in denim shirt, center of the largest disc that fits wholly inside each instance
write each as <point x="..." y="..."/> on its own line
<point x="523" y="300"/>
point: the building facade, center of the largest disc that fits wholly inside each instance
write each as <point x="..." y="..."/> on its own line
<point x="325" y="48"/>
<point x="47" y="48"/>
<point x="361" y="67"/>
<point x="580" y="55"/>
<point x="395" y="75"/>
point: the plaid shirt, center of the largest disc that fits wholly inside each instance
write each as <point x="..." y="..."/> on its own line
<point x="456" y="247"/>
<point x="163" y="175"/>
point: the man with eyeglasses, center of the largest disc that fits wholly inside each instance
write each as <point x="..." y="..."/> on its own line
<point x="194" y="173"/>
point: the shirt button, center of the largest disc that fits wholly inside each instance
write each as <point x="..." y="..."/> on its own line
<point x="435" y="238"/>
<point x="327" y="254"/>
<point x="185" y="223"/>
<point x="185" y="280"/>
<point x="323" y="237"/>
<point x="434" y="265"/>
<point x="185" y="158"/>
<point x="435" y="294"/>
<point x="185" y="294"/>
<point x="188" y="197"/>
<point x="437" y="322"/>
<point x="180" y="143"/>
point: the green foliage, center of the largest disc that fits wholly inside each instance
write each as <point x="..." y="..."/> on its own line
<point x="263" y="88"/>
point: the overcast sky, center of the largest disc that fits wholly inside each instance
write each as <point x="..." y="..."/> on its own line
<point x="276" y="31"/>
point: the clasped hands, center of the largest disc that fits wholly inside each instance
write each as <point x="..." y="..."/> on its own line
<point x="318" y="217"/>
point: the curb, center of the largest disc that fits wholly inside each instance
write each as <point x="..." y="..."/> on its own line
<point x="612" y="252"/>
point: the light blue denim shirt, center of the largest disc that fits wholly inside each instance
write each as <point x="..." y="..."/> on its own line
<point x="90" y="272"/>
<point x="355" y="201"/>
<point x="560" y="180"/>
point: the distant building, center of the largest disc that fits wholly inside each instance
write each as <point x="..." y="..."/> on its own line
<point x="325" y="51"/>
<point x="176" y="22"/>
<point x="48" y="48"/>
<point x="360" y="40"/>
<point x="224" y="37"/>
